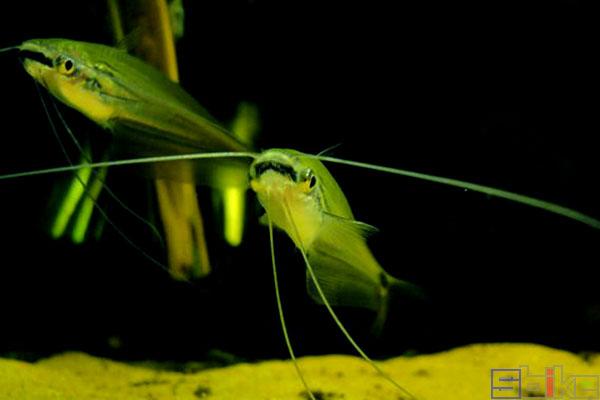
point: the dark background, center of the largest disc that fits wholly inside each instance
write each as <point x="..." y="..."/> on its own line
<point x="499" y="93"/>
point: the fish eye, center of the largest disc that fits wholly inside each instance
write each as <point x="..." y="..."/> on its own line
<point x="65" y="65"/>
<point x="307" y="179"/>
<point x="305" y="175"/>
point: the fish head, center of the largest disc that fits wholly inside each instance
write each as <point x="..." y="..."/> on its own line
<point x="67" y="70"/>
<point x="303" y="174"/>
<point x="287" y="189"/>
<point x="282" y="169"/>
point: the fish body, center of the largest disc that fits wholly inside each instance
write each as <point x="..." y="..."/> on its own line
<point x="148" y="114"/>
<point x="303" y="199"/>
<point x="125" y="95"/>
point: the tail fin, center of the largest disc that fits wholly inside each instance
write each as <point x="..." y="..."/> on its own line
<point x="389" y="284"/>
<point x="381" y="317"/>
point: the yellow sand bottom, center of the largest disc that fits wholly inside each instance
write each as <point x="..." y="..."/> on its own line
<point x="463" y="373"/>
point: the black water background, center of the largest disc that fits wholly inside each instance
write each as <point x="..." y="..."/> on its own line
<point x="499" y="93"/>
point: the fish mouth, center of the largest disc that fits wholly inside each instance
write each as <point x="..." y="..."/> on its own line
<point x="37" y="57"/>
<point x="283" y="169"/>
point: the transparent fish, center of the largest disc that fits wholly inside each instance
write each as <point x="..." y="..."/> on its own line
<point x="425" y="224"/>
<point x="302" y="198"/>
<point x="147" y="114"/>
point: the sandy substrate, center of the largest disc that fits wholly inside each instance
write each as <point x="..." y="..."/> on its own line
<point x="463" y="373"/>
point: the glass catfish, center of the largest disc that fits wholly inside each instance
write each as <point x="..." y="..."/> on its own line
<point x="148" y="115"/>
<point x="302" y="198"/>
<point x="125" y="95"/>
<point x="298" y="193"/>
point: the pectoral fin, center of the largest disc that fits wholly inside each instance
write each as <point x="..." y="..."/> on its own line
<point x="344" y="266"/>
<point x="342" y="284"/>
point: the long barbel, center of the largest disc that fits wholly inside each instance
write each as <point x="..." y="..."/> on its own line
<point x="269" y="162"/>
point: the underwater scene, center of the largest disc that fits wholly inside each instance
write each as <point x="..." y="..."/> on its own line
<point x="283" y="200"/>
